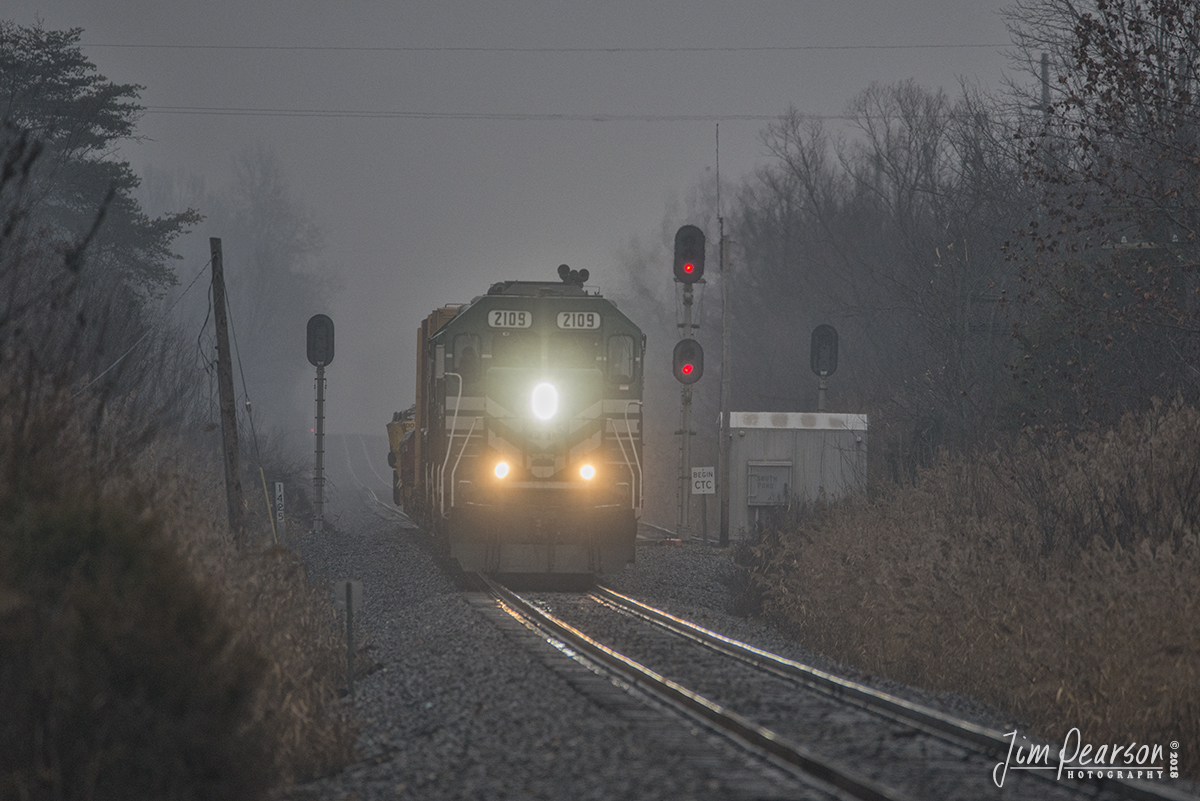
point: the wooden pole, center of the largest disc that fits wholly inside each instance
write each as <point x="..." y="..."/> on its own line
<point x="233" y="480"/>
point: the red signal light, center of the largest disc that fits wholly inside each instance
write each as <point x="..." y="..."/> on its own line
<point x="687" y="362"/>
<point x="688" y="264"/>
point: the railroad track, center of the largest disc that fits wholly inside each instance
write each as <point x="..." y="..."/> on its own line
<point x="856" y="740"/>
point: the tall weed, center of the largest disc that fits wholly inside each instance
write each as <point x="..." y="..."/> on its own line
<point x="1059" y="581"/>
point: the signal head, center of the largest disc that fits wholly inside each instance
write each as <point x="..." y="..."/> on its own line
<point x="688" y="361"/>
<point x="689" y="254"/>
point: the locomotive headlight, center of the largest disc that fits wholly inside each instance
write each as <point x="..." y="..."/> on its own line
<point x="587" y="472"/>
<point x="544" y="401"/>
<point x="501" y="469"/>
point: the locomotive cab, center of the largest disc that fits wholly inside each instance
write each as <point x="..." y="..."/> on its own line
<point x="530" y="415"/>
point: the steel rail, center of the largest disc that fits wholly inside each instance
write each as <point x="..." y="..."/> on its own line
<point x="758" y="738"/>
<point x="843" y="689"/>
<point x="884" y="704"/>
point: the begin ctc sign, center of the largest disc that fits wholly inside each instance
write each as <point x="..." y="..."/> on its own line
<point x="704" y="481"/>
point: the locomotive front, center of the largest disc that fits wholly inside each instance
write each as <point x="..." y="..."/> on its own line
<point x="529" y="431"/>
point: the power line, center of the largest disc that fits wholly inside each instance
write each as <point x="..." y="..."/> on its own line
<point x="467" y="115"/>
<point x="147" y="333"/>
<point x="437" y="49"/>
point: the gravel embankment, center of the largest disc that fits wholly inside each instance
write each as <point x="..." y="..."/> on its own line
<point x="694" y="582"/>
<point x="459" y="705"/>
<point x="460" y="709"/>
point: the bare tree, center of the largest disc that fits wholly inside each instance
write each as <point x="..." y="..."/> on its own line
<point x="893" y="234"/>
<point x="1109" y="252"/>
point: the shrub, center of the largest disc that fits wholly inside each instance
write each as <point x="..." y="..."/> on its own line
<point x="1055" y="579"/>
<point x="120" y="674"/>
<point x="142" y="655"/>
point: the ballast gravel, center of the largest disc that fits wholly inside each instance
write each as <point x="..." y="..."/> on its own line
<point x="456" y="708"/>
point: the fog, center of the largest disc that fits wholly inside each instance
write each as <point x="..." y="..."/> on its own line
<point x="439" y="147"/>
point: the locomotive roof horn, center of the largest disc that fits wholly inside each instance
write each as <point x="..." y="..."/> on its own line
<point x="575" y="277"/>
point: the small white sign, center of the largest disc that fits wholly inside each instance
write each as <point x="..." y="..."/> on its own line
<point x="340" y="589"/>
<point x="704" y="481"/>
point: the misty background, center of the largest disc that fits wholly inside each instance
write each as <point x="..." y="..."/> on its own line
<point x="375" y="163"/>
<point x="532" y="134"/>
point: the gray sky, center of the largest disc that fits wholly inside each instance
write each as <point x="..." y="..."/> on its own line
<point x="419" y="211"/>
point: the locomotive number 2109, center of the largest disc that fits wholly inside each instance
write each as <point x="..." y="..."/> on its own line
<point x="576" y="320"/>
<point x="501" y="318"/>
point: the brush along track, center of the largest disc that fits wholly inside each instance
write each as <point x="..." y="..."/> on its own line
<point x="866" y="743"/>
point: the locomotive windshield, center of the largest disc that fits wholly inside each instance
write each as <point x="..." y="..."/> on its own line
<point x="466" y="356"/>
<point x="620" y="358"/>
<point x="515" y="349"/>
<point x="573" y="350"/>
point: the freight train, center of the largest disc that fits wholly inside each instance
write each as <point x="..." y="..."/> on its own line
<point x="523" y="451"/>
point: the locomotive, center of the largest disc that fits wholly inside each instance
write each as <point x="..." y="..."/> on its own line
<point x="523" y="451"/>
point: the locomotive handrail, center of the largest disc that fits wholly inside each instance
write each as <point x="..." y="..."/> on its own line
<point x="449" y="440"/>
<point x="636" y="490"/>
<point x="633" y="479"/>
<point x="461" y="451"/>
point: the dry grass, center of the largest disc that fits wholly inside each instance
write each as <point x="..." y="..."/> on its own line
<point x="286" y="617"/>
<point x="1059" y="581"/>
<point x="141" y="654"/>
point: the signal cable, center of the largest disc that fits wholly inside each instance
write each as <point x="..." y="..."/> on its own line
<point x="147" y="333"/>
<point x="250" y="416"/>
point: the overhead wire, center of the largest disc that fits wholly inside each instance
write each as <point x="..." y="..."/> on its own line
<point x="510" y="116"/>
<point x="139" y="340"/>
<point x="498" y="49"/>
<point x="250" y="417"/>
<point x="247" y="111"/>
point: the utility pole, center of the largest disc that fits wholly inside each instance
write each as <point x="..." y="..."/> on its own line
<point x="723" y="449"/>
<point x="233" y="481"/>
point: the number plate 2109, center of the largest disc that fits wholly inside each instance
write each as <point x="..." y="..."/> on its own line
<point x="501" y="318"/>
<point x="575" y="320"/>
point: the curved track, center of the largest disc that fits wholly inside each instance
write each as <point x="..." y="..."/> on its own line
<point x="758" y="738"/>
<point x="866" y="743"/>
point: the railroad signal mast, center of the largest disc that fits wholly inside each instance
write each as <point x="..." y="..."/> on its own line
<point x="320" y="353"/>
<point x="687" y="362"/>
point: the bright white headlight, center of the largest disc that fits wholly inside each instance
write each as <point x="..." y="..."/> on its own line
<point x="544" y="401"/>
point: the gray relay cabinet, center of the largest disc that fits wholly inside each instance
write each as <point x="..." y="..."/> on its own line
<point x="777" y="456"/>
